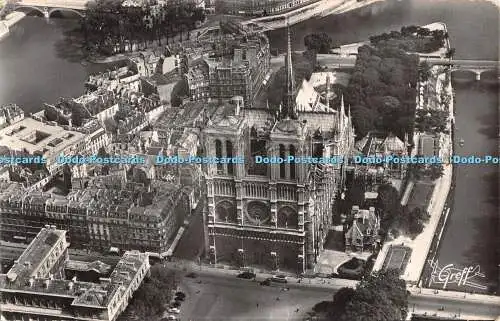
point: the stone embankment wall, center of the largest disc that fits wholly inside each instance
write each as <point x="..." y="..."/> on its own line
<point x="10" y="20"/>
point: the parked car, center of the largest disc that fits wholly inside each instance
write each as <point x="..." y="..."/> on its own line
<point x="173" y="310"/>
<point x="247" y="275"/>
<point x="266" y="282"/>
<point x="169" y="318"/>
<point x="192" y="275"/>
<point x="279" y="278"/>
<point x="176" y="304"/>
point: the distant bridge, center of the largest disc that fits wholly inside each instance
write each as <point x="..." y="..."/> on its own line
<point x="48" y="7"/>
<point x="475" y="66"/>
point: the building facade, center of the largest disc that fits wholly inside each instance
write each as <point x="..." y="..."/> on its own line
<point x="99" y="216"/>
<point x="259" y="7"/>
<point x="35" y="287"/>
<point x="237" y="67"/>
<point x="273" y="214"/>
<point x="363" y="235"/>
<point x="10" y="114"/>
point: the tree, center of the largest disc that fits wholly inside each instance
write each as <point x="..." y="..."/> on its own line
<point x="150" y="298"/>
<point x="450" y="53"/>
<point x="424" y="71"/>
<point x="355" y="195"/>
<point x="382" y="89"/>
<point x="320" y="42"/>
<point x="431" y="120"/>
<point x="416" y="220"/>
<point x="108" y="27"/>
<point x="378" y="297"/>
<point x="312" y="57"/>
<point x="436" y="171"/>
<point x="388" y="203"/>
<point x="199" y="15"/>
<point x="341" y="299"/>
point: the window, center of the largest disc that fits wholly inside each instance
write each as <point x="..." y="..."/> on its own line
<point x="218" y="154"/>
<point x="292" y="164"/>
<point x="282" y="164"/>
<point x="229" y="152"/>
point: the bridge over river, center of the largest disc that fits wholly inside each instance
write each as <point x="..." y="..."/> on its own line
<point x="48" y="7"/>
<point x="475" y="66"/>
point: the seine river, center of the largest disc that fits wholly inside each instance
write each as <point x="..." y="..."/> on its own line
<point x="37" y="66"/>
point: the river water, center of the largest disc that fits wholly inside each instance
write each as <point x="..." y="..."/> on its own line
<point x="38" y="64"/>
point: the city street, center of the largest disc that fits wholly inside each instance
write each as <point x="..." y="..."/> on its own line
<point x="225" y="297"/>
<point x="472" y="310"/>
<point x="222" y="296"/>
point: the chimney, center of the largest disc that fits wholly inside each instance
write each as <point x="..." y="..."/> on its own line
<point x="31" y="282"/>
<point x="47" y="283"/>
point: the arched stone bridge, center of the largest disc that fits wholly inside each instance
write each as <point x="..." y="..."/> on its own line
<point x="48" y="7"/>
<point x="475" y="66"/>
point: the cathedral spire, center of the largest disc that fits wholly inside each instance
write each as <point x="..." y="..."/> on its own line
<point x="342" y="112"/>
<point x="289" y="99"/>
<point x="327" y="91"/>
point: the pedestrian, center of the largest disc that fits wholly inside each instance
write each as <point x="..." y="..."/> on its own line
<point x="277" y="298"/>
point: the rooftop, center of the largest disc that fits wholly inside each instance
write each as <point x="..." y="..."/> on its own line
<point x="380" y="144"/>
<point x="36" y="137"/>
<point x="96" y="266"/>
<point x="27" y="264"/>
<point x="96" y="295"/>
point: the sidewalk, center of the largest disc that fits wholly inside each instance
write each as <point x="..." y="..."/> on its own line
<point x="454" y="295"/>
<point x="261" y="276"/>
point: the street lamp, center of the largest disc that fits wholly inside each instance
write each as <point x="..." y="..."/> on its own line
<point x="241" y="254"/>
<point x="275" y="261"/>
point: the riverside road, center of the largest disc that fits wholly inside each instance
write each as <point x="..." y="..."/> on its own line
<point x="216" y="295"/>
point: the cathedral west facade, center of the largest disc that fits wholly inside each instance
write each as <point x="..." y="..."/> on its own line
<point x="274" y="216"/>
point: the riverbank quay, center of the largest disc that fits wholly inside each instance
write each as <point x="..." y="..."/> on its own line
<point x="316" y="9"/>
<point x="422" y="245"/>
<point x="10" y="20"/>
<point x="319" y="9"/>
<point x="455" y="295"/>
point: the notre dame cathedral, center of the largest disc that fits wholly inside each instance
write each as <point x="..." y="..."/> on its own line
<point x="273" y="216"/>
